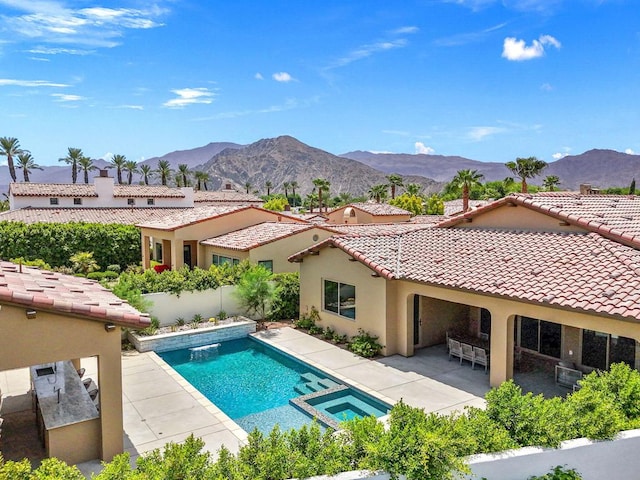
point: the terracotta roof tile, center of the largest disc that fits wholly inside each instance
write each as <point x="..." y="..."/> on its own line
<point x="147" y="191"/>
<point x="226" y="196"/>
<point x="375" y="228"/>
<point x="256" y="235"/>
<point x="454" y="207"/>
<point x="376" y="209"/>
<point x="65" y="294"/>
<point x="124" y="216"/>
<point x="29" y="189"/>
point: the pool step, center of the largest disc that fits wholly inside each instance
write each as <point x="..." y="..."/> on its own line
<point x="312" y="383"/>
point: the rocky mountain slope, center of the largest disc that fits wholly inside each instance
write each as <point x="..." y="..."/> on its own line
<point x="193" y="157"/>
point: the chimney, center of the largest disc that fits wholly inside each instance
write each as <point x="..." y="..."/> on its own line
<point x="228" y="186"/>
<point x="587" y="189"/>
<point x="104" y="173"/>
<point x="103" y="184"/>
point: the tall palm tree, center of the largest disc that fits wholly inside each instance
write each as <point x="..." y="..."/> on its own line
<point x="269" y="186"/>
<point x="551" y="182"/>
<point x="184" y="172"/>
<point x="322" y="184"/>
<point x="526" y="168"/>
<point x="466" y="180"/>
<point x="378" y="192"/>
<point x="73" y="155"/>
<point x="285" y="187"/>
<point x="293" y="185"/>
<point x="164" y="170"/>
<point x="85" y="165"/>
<point x="147" y="172"/>
<point x="311" y="199"/>
<point x="131" y="167"/>
<point x="27" y="164"/>
<point x="10" y="147"/>
<point x="177" y="179"/>
<point x="202" y="178"/>
<point x="247" y="186"/>
<point x="413" y="188"/>
<point x="395" y="180"/>
<point x="118" y="162"/>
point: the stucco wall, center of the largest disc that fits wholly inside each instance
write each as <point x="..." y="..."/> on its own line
<point x="437" y="317"/>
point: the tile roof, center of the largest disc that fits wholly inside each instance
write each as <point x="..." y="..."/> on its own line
<point x="429" y="219"/>
<point x="147" y="191"/>
<point x="613" y="216"/>
<point x="228" y="196"/>
<point x="374" y="228"/>
<point x="256" y="235"/>
<point x="579" y="271"/>
<point x="191" y="216"/>
<point x="123" y="216"/>
<point x="65" y="294"/>
<point x="454" y="207"/>
<point x="29" y="189"/>
<point x="376" y="209"/>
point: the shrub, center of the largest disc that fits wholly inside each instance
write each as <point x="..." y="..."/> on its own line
<point x="328" y="333"/>
<point x="286" y="305"/>
<point x="256" y="292"/>
<point x="365" y="344"/>
<point x="108" y="275"/>
<point x="114" y="268"/>
<point x="84" y="263"/>
<point x="222" y="315"/>
<point x="308" y="320"/>
<point x="39" y="263"/>
<point x="198" y="318"/>
<point x="559" y="473"/>
<point x="337" y="338"/>
<point x="315" y="330"/>
<point x="153" y="327"/>
<point x="180" y="321"/>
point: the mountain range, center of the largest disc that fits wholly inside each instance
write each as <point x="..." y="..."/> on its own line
<point x="286" y="159"/>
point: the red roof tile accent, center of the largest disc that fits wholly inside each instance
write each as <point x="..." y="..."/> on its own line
<point x="58" y="293"/>
<point x="29" y="189"/>
<point x="123" y="216"/>
<point x="582" y="271"/>
<point x="251" y="237"/>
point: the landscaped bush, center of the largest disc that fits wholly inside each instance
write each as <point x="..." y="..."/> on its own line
<point x="365" y="344"/>
<point x="308" y="320"/>
<point x="54" y="243"/>
<point x="38" y="262"/>
<point x="107" y="275"/>
<point x="287" y="304"/>
<point x="559" y="473"/>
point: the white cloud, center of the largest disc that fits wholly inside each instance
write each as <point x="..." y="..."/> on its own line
<point x="4" y="82"/>
<point x="628" y="151"/>
<point x="422" y="148"/>
<point x="130" y="107"/>
<point x="282" y="77"/>
<point x="258" y="76"/>
<point x="558" y="155"/>
<point x="546" y="87"/>
<point x="63" y="97"/>
<point x="289" y="104"/>
<point x="479" y="133"/>
<point x="517" y="50"/>
<point x="41" y="50"/>
<point x="405" y="30"/>
<point x="189" y="96"/>
<point x="365" y="51"/>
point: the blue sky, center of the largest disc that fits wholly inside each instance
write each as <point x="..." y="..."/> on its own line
<point x="490" y="80"/>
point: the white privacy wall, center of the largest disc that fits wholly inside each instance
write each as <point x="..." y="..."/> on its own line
<point x="168" y="307"/>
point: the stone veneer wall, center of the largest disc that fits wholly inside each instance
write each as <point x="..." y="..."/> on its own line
<point x="192" y="338"/>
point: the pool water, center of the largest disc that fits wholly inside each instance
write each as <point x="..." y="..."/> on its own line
<point x="253" y="383"/>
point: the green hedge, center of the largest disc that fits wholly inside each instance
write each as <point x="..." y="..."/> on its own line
<point x="55" y="243"/>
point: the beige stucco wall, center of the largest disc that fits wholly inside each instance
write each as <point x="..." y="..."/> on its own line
<point x="52" y="337"/>
<point x="518" y="217"/>
<point x="438" y="317"/>
<point x="371" y="292"/>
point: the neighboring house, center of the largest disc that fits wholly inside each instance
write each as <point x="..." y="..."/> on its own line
<point x="226" y="196"/>
<point x="368" y="213"/>
<point x="56" y="320"/>
<point x="268" y="244"/>
<point x="556" y="277"/>
<point x="123" y="216"/>
<point x="454" y="207"/>
<point x="175" y="240"/>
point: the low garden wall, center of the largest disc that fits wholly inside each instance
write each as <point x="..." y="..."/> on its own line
<point x="193" y="337"/>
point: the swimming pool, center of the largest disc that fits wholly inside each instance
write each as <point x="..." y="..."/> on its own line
<point x="257" y="386"/>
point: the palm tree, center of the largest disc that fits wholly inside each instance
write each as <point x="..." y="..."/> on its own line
<point x="147" y="173"/>
<point x="466" y="180"/>
<point x="293" y="185"/>
<point x="247" y="186"/>
<point x="164" y="170"/>
<point x="183" y="171"/>
<point x="202" y="178"/>
<point x="395" y="180"/>
<point x="177" y="179"/>
<point x="269" y="186"/>
<point x="378" y="192"/>
<point x="322" y="184"/>
<point x="85" y="164"/>
<point x="413" y="188"/>
<point x="551" y="182"/>
<point x="118" y="162"/>
<point x="526" y="168"/>
<point x="311" y="199"/>
<point x="131" y="167"/>
<point x="73" y="155"/>
<point x="10" y="147"/>
<point x="286" y="186"/>
<point x="27" y="163"/>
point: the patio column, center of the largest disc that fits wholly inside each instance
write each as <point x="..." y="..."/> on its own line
<point x="146" y="256"/>
<point x="177" y="254"/>
<point x="502" y="325"/>
<point x="111" y="415"/>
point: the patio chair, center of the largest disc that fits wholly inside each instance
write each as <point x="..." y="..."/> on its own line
<point x="455" y="350"/>
<point x="480" y="357"/>
<point x="467" y="353"/>
<point x="81" y="372"/>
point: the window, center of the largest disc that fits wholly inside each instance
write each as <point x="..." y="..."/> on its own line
<point x="340" y="298"/>
<point x="221" y="260"/>
<point x="268" y="264"/>
<point x="600" y="350"/>
<point x="53" y="201"/>
<point x="541" y="336"/>
<point x="77" y="201"/>
<point x="131" y="201"/>
<point x="485" y="321"/>
<point x="151" y="201"/>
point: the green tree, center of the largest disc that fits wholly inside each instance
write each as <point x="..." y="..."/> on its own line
<point x="147" y="172"/>
<point x="164" y="170"/>
<point x="201" y="179"/>
<point x="465" y="180"/>
<point x="551" y="182"/>
<point x="276" y="204"/>
<point x="72" y="158"/>
<point x="185" y="173"/>
<point x="10" y="147"/>
<point x="434" y="205"/>
<point x="632" y="187"/>
<point x="27" y="164"/>
<point x="310" y="201"/>
<point x="285" y="187"/>
<point x="83" y="262"/>
<point x="411" y="203"/>
<point x="322" y="185"/>
<point x="395" y="181"/>
<point x="85" y="165"/>
<point x="526" y="168"/>
<point x="378" y="192"/>
<point x="286" y="305"/>
<point x="118" y="162"/>
<point x="247" y="186"/>
<point x="413" y="188"/>
<point x="256" y="292"/>
<point x="131" y="167"/>
<point x="268" y="185"/>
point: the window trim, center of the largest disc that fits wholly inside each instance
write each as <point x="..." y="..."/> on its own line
<point x="339" y="305"/>
<point x="131" y="201"/>
<point x="232" y="260"/>
<point x="77" y="201"/>
<point x="151" y="201"/>
<point x="54" y="201"/>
